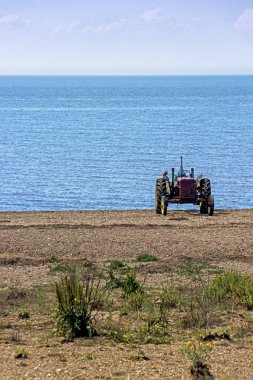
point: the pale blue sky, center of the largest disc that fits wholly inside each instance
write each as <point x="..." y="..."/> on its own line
<point x="80" y="37"/>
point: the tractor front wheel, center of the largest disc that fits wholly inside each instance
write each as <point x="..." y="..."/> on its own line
<point x="160" y="191"/>
<point x="210" y="205"/>
<point x="164" y="205"/>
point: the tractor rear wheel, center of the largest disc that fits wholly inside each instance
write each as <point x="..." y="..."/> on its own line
<point x="164" y="205"/>
<point x="160" y="191"/>
<point x="203" y="208"/>
<point x="210" y="205"/>
<point x="205" y="193"/>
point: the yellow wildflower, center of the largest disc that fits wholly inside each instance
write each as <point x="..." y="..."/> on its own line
<point x="189" y="343"/>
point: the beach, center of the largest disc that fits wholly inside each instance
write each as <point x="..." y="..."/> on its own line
<point x="29" y="240"/>
<point x="33" y="242"/>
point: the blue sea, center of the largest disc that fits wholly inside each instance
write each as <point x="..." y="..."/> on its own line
<point x="88" y="143"/>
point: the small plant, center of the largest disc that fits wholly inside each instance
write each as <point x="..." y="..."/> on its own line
<point x="124" y="310"/>
<point x="157" y="318"/>
<point x="90" y="357"/>
<point x="223" y="334"/>
<point x="140" y="356"/>
<point x="55" y="259"/>
<point x="145" y="257"/>
<point x="232" y="285"/>
<point x="130" y="285"/>
<point x="116" y="264"/>
<point x="58" y="268"/>
<point x="201" y="310"/>
<point x="80" y="296"/>
<point x="136" y="300"/>
<point x="116" y="332"/>
<point x="21" y="354"/>
<point x="198" y="353"/>
<point x="155" y="335"/>
<point x="24" y="314"/>
<point x="192" y="270"/>
<point x="169" y="297"/>
<point x="247" y="298"/>
<point x="133" y="292"/>
<point x="113" y="282"/>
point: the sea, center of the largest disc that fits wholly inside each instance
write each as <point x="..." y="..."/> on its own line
<point x="100" y="142"/>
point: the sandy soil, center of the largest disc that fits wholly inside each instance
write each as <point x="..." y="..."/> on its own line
<point x="28" y="241"/>
<point x="31" y="241"/>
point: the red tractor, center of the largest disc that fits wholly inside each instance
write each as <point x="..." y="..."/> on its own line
<point x="183" y="188"/>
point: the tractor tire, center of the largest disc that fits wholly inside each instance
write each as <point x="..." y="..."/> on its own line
<point x="210" y="205"/>
<point x="205" y="193"/>
<point x="164" y="205"/>
<point x="203" y="208"/>
<point x="160" y="191"/>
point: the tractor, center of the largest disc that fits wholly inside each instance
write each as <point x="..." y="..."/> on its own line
<point x="183" y="188"/>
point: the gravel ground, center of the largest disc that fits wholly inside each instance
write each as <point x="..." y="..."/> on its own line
<point x="31" y="241"/>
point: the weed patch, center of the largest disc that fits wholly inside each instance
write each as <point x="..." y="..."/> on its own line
<point x="145" y="257"/>
<point x="198" y="353"/>
<point x="80" y="296"/>
<point x="24" y="314"/>
<point x="59" y="268"/>
<point x="139" y="357"/>
<point x="192" y="270"/>
<point x="116" y="264"/>
<point x="232" y="286"/>
<point x="21" y="354"/>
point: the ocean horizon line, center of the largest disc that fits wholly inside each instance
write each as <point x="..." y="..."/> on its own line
<point x="126" y="75"/>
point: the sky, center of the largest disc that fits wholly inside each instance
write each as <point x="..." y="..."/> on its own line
<point x="126" y="37"/>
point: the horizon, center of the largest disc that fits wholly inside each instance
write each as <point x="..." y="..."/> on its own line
<point x="127" y="75"/>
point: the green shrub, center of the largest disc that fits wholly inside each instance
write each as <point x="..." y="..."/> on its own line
<point x="192" y="270"/>
<point x="169" y="298"/>
<point x="130" y="284"/>
<point x="156" y="318"/>
<point x="136" y="300"/>
<point x="133" y="292"/>
<point x="58" y="268"/>
<point x="79" y="298"/>
<point x="232" y="285"/>
<point x="113" y="282"/>
<point x="198" y="352"/>
<point x="200" y="310"/>
<point x="247" y="298"/>
<point x="116" y="264"/>
<point x="145" y="257"/>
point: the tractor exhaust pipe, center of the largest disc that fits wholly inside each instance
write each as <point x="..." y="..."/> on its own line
<point x="181" y="166"/>
<point x="172" y="174"/>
